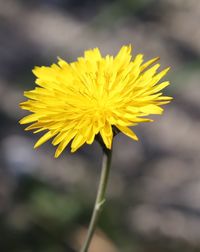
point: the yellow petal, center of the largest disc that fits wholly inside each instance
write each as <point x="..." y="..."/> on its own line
<point x="160" y="75"/>
<point x="78" y="141"/>
<point x="138" y="59"/>
<point x="65" y="142"/>
<point x="44" y="138"/>
<point x="88" y="133"/>
<point x="62" y="63"/>
<point x="159" y="87"/>
<point x="39" y="130"/>
<point x="151" y="109"/>
<point x="107" y="137"/>
<point x="148" y="63"/>
<point x="34" y="126"/>
<point x="60" y="137"/>
<point x="127" y="132"/>
<point x="92" y="54"/>
<point x="29" y="119"/>
<point x="90" y="138"/>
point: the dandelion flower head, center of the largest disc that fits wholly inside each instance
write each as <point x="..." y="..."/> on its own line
<point x="74" y="102"/>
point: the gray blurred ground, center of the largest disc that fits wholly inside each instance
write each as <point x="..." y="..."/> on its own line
<point x="154" y="191"/>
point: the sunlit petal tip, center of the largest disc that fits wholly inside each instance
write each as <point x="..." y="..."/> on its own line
<point x="167" y="69"/>
<point x="60" y="149"/>
<point x="148" y="120"/>
<point x="59" y="58"/>
<point x="61" y="62"/>
<point x="129" y="47"/>
<point x="23" y="105"/>
<point x="35" y="146"/>
<point x="38" y="130"/>
<point x="57" y="154"/>
<point x="109" y="146"/>
<point x="73" y="150"/>
<point x="35" y="69"/>
<point x="23" y="121"/>
<point x="54" y="143"/>
<point x="149" y="63"/>
<point x="155" y="59"/>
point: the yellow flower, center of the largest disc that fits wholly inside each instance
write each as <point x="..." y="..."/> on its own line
<point x="76" y="101"/>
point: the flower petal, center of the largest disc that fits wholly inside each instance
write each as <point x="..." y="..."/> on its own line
<point x="44" y="138"/>
<point x="127" y="132"/>
<point x="64" y="142"/>
<point x="78" y="141"/>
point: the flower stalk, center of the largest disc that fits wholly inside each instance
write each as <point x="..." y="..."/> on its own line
<point x="100" y="198"/>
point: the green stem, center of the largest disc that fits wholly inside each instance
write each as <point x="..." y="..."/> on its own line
<point x="100" y="199"/>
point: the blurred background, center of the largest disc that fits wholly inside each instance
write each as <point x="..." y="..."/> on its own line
<point x="153" y="199"/>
